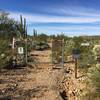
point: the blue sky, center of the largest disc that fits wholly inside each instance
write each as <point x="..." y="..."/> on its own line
<point x="72" y="17"/>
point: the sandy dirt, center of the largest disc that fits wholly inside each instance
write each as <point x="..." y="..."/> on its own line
<point x="41" y="82"/>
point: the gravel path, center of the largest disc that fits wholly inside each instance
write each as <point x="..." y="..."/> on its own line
<point x="31" y="84"/>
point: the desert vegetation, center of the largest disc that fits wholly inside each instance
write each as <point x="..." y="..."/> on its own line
<point x="42" y="80"/>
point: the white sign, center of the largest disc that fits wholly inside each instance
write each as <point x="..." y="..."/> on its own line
<point x="20" y="50"/>
<point x="85" y="44"/>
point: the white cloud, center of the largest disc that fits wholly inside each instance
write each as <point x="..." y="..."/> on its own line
<point x="77" y="11"/>
<point x="35" y="18"/>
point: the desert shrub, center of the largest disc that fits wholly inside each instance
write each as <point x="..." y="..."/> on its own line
<point x="40" y="45"/>
<point x="94" y="76"/>
<point x="93" y="82"/>
<point x="96" y="51"/>
<point x="42" y="37"/>
<point x="68" y="47"/>
<point x="86" y="60"/>
<point x="5" y="53"/>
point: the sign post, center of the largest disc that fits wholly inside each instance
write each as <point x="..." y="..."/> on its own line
<point x="76" y="60"/>
<point x="76" y="55"/>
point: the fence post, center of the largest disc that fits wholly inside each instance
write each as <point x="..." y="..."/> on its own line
<point x="52" y="52"/>
<point x="26" y="52"/>
<point x="26" y="42"/>
<point x="63" y="53"/>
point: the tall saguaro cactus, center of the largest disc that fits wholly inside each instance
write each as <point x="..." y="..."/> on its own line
<point x="21" y="24"/>
<point x="22" y="27"/>
<point x="25" y="28"/>
<point x="34" y="33"/>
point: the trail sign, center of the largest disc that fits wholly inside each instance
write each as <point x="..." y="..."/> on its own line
<point x="85" y="44"/>
<point x="20" y="50"/>
<point x="76" y="53"/>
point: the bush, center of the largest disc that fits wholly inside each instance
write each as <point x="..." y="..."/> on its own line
<point x="94" y="76"/>
<point x="40" y="45"/>
<point x="94" y="80"/>
<point x="96" y="51"/>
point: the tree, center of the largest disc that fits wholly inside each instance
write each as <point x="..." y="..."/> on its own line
<point x="7" y="25"/>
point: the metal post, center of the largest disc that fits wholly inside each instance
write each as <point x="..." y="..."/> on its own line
<point x="63" y="53"/>
<point x="26" y="60"/>
<point x="26" y="52"/>
<point x="76" y="68"/>
<point x="52" y="52"/>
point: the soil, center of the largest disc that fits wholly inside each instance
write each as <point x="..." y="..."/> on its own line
<point x="29" y="83"/>
<point x="41" y="82"/>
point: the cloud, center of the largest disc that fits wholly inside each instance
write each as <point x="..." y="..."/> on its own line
<point x="82" y="28"/>
<point x="73" y="10"/>
<point x="36" y="18"/>
<point x="80" y="12"/>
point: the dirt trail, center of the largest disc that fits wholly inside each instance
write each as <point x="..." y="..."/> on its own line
<point x="42" y="83"/>
<point x="73" y="87"/>
<point x="31" y="84"/>
<point x="42" y="56"/>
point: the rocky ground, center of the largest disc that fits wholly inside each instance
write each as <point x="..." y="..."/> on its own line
<point x="41" y="82"/>
<point x="27" y="84"/>
<point x="31" y="83"/>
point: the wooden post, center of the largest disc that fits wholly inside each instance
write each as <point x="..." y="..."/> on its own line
<point x="13" y="43"/>
<point x="76" y="60"/>
<point x="13" y="46"/>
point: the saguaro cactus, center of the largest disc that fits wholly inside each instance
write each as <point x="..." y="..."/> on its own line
<point x="22" y="27"/>
<point x="21" y="24"/>
<point x="25" y="28"/>
<point x="34" y="33"/>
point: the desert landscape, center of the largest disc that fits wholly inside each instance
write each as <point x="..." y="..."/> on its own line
<point x="50" y="50"/>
